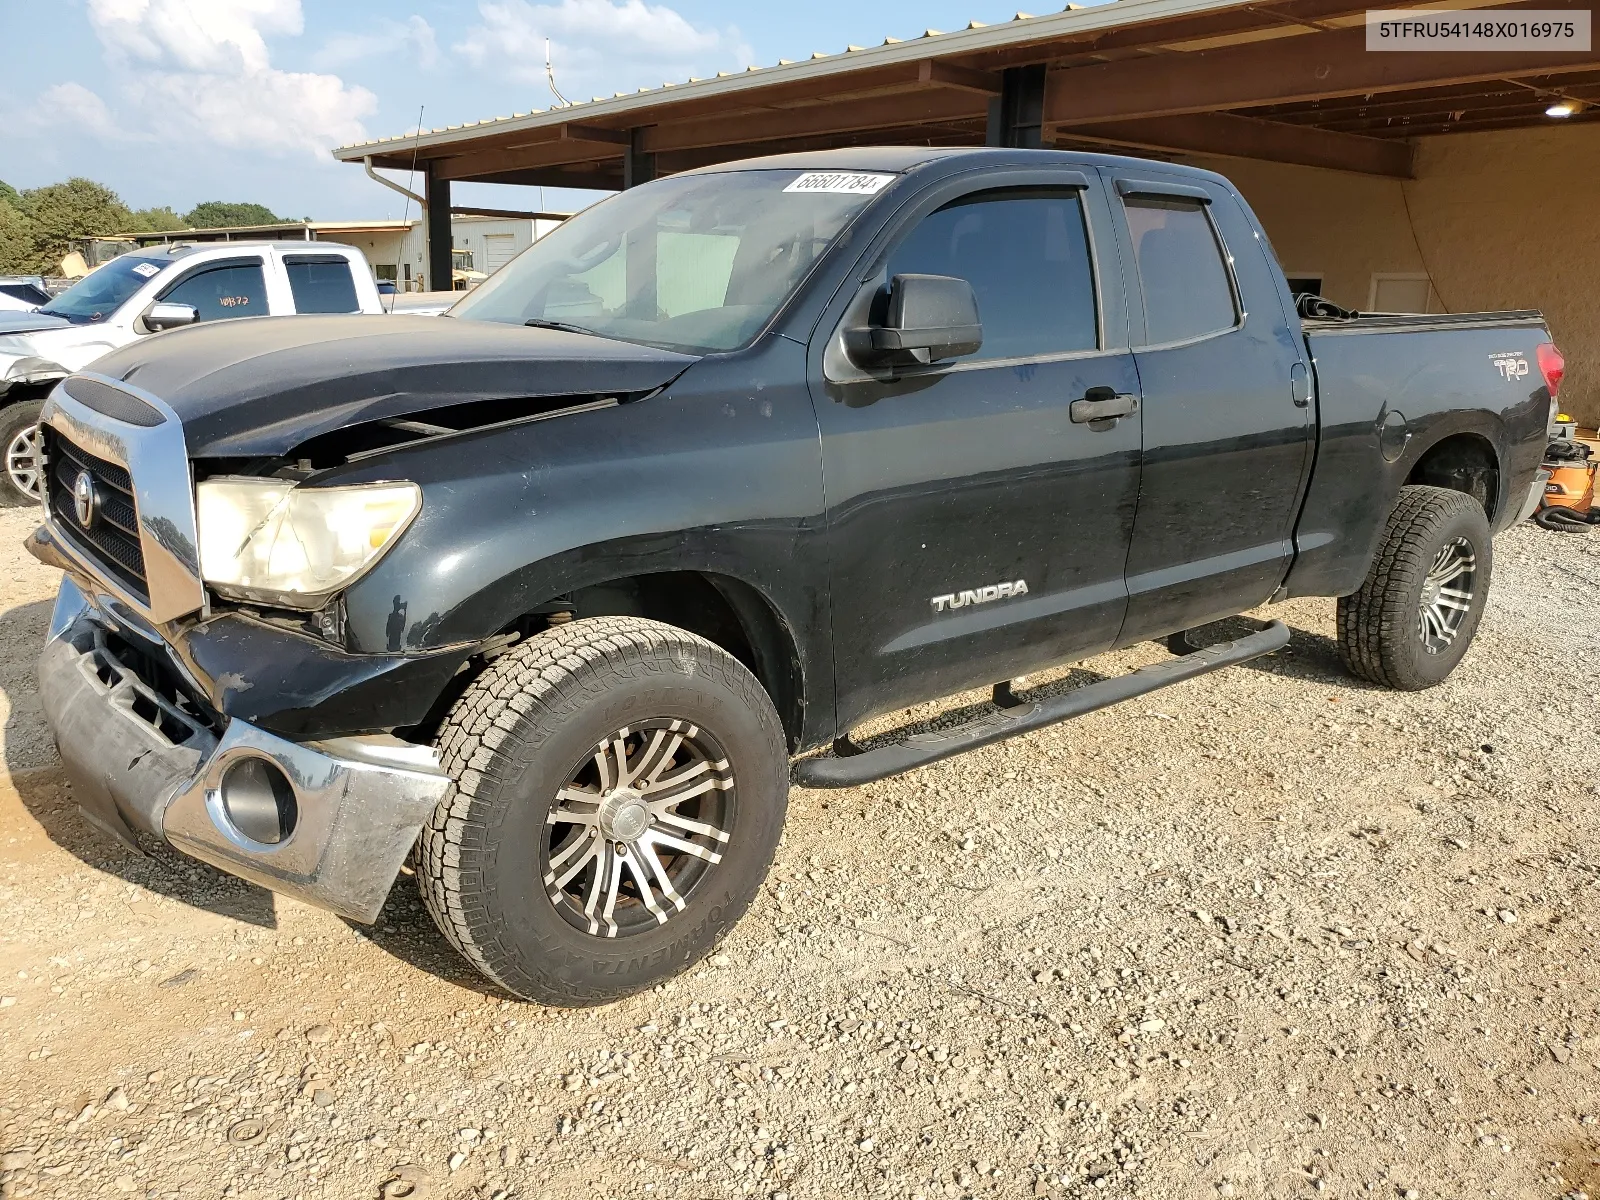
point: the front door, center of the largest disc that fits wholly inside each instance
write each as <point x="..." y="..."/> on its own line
<point x="1227" y="434"/>
<point x="977" y="531"/>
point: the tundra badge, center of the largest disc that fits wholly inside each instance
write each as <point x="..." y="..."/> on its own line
<point x="995" y="591"/>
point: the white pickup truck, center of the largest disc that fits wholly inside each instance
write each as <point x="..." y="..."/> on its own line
<point x="144" y="292"/>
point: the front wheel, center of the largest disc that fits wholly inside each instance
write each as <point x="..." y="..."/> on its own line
<point x="1419" y="607"/>
<point x="22" y="473"/>
<point x="620" y="790"/>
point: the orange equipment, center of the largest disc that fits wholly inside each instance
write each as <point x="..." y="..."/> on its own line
<point x="1568" y="503"/>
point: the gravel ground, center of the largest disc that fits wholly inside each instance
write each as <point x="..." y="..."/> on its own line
<point x="1270" y="933"/>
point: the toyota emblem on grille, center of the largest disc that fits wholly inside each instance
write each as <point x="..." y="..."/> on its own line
<point x="85" y="500"/>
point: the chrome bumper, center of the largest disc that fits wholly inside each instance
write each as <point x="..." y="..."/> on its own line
<point x="141" y="765"/>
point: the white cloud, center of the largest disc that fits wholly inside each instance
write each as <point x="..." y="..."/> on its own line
<point x="195" y="35"/>
<point x="598" y="46"/>
<point x="72" y="105"/>
<point x="414" y="35"/>
<point x="198" y="73"/>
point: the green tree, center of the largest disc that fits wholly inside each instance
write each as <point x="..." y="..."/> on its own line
<point x="10" y="195"/>
<point x="217" y="213"/>
<point x="16" y="240"/>
<point x="64" y="214"/>
<point x="156" y="220"/>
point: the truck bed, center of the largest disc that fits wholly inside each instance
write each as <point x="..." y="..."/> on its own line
<point x="1391" y="384"/>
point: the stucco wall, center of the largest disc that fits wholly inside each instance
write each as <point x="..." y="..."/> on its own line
<point x="1496" y="220"/>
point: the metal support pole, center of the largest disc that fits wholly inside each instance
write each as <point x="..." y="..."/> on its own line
<point x="1016" y="116"/>
<point x="436" y="224"/>
<point x="637" y="166"/>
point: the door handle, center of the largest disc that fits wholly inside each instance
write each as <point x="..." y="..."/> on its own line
<point x="1103" y="404"/>
<point x="1300" y="385"/>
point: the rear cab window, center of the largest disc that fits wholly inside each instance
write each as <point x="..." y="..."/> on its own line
<point x="321" y="283"/>
<point x="1187" y="286"/>
<point x="223" y="291"/>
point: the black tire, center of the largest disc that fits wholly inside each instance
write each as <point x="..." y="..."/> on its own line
<point x="15" y="421"/>
<point x="528" y="727"/>
<point x="1384" y="634"/>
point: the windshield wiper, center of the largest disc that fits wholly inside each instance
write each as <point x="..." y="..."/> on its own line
<point x="563" y="326"/>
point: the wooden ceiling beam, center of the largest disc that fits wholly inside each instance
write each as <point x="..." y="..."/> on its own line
<point x="1253" y="18"/>
<point x="949" y="135"/>
<point x="900" y="110"/>
<point x="1285" y="70"/>
<point x="943" y="74"/>
<point x="1470" y="98"/>
<point x="1231" y="136"/>
<point x="524" y="158"/>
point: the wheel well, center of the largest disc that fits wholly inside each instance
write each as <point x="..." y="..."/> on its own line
<point x="1463" y="462"/>
<point x="723" y="610"/>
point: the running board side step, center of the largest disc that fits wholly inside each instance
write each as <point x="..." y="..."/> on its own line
<point x="920" y="749"/>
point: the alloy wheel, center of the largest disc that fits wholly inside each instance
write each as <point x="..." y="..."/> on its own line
<point x="641" y="824"/>
<point x="1447" y="593"/>
<point x="22" y="461"/>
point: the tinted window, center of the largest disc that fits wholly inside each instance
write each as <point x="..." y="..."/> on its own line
<point x="1185" y="281"/>
<point x="322" y="285"/>
<point x="1026" y="255"/>
<point x="104" y="290"/>
<point x="221" y="293"/>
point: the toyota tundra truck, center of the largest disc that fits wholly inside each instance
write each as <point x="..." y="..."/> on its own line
<point x="555" y="595"/>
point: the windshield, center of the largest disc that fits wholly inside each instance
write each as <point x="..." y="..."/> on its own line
<point x="697" y="263"/>
<point x="100" y="293"/>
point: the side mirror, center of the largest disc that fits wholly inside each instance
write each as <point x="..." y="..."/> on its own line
<point x="162" y="315"/>
<point x="927" y="319"/>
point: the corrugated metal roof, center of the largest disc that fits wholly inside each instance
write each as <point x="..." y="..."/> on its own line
<point x="976" y="37"/>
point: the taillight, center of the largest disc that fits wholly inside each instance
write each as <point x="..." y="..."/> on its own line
<point x="1551" y="365"/>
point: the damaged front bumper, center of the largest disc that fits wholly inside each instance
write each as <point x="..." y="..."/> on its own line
<point x="328" y="822"/>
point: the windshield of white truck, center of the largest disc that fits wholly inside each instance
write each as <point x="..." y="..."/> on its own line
<point x="101" y="292"/>
<point x="697" y="263"/>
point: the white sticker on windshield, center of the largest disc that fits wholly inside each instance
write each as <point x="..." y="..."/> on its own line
<point x="852" y="183"/>
<point x="146" y="269"/>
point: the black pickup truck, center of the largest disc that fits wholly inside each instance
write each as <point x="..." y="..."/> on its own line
<point x="547" y="593"/>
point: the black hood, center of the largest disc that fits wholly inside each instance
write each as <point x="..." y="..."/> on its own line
<point x="264" y="385"/>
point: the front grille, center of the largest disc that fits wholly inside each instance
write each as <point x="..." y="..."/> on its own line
<point x="112" y="535"/>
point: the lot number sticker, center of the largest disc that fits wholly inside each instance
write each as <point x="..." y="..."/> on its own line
<point x="852" y="183"/>
<point x="146" y="269"/>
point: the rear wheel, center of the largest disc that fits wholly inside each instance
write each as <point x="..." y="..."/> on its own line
<point x="1419" y="607"/>
<point x="20" y="469"/>
<point x="620" y="791"/>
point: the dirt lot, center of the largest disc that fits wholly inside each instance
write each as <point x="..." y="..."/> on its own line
<point x="1267" y="934"/>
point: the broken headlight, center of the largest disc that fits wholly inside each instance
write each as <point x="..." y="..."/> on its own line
<point x="272" y="541"/>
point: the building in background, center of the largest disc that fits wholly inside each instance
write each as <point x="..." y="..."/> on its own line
<point x="482" y="243"/>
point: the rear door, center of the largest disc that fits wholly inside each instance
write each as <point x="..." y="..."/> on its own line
<point x="1228" y="427"/>
<point x="976" y="529"/>
<point x="321" y="283"/>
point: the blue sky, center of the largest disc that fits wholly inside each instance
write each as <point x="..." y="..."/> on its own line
<point x="177" y="101"/>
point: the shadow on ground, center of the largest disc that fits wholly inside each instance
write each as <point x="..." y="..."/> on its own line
<point x="1308" y="656"/>
<point x="404" y="929"/>
<point x="46" y="793"/>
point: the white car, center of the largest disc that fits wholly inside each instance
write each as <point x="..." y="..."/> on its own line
<point x="146" y="291"/>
